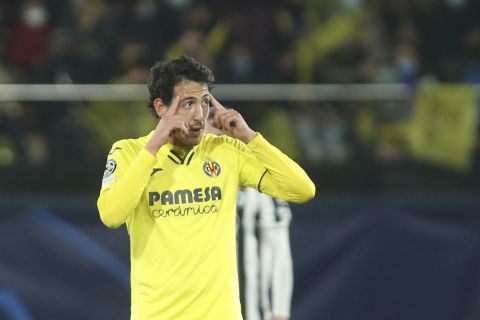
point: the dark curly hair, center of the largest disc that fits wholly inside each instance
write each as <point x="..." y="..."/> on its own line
<point x="164" y="76"/>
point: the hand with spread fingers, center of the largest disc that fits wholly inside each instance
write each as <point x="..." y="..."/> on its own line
<point x="170" y="123"/>
<point x="231" y="122"/>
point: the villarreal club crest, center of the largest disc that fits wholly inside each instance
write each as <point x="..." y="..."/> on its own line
<point x="212" y="168"/>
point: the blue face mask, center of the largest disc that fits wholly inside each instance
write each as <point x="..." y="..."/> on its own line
<point x="178" y="4"/>
<point x="406" y="65"/>
<point x="241" y="65"/>
<point x="455" y="3"/>
<point x="351" y="4"/>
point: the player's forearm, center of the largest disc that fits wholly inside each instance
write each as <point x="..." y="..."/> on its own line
<point x="116" y="204"/>
<point x="285" y="178"/>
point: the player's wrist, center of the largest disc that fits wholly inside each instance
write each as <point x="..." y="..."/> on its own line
<point x="153" y="147"/>
<point x="248" y="136"/>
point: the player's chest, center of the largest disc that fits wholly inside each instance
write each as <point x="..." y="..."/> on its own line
<point x="199" y="177"/>
<point x="190" y="189"/>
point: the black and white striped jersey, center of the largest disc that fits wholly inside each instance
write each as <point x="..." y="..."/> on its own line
<point x="264" y="256"/>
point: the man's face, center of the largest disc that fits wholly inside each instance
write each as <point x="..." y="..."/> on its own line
<point x="193" y="107"/>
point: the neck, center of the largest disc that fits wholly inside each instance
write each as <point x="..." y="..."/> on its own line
<point x="181" y="148"/>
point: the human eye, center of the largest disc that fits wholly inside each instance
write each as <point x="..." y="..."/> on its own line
<point x="188" y="104"/>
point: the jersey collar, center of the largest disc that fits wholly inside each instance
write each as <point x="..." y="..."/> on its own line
<point x="178" y="159"/>
<point x="174" y="153"/>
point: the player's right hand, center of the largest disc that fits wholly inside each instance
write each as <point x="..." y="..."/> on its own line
<point x="170" y="123"/>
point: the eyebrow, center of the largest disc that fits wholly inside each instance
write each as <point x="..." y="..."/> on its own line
<point x="206" y="95"/>
<point x="189" y="98"/>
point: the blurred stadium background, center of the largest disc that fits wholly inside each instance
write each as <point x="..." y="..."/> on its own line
<point x="378" y="100"/>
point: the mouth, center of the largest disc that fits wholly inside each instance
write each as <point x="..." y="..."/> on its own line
<point x="195" y="131"/>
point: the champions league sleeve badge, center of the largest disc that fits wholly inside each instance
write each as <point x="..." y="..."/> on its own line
<point x="109" y="170"/>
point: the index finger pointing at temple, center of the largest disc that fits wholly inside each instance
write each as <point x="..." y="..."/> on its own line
<point x="174" y="105"/>
<point x="216" y="104"/>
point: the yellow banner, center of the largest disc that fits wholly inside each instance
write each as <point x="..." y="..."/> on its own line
<point x="443" y="129"/>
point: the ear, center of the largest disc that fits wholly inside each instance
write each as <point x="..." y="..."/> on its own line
<point x="160" y="108"/>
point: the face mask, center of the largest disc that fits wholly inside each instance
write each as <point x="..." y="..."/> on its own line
<point x="406" y="65"/>
<point x="241" y="65"/>
<point x="178" y="4"/>
<point x="351" y="4"/>
<point x="35" y="16"/>
<point x="455" y="3"/>
<point x="146" y="9"/>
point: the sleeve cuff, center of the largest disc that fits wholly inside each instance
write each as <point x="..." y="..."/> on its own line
<point x="147" y="157"/>
<point x="257" y="141"/>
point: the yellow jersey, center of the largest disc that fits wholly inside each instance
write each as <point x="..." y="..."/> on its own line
<point x="180" y="216"/>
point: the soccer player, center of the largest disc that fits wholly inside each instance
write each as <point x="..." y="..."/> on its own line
<point x="265" y="260"/>
<point x="176" y="191"/>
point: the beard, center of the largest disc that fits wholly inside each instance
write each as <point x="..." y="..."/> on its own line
<point x="179" y="139"/>
<point x="192" y="138"/>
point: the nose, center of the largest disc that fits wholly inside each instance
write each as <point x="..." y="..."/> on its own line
<point x="198" y="112"/>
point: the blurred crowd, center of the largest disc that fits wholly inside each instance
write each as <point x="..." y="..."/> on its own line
<point x="268" y="41"/>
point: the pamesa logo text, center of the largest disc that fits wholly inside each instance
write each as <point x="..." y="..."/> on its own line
<point x="185" y="196"/>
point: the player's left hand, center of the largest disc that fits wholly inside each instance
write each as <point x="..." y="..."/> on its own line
<point x="231" y="122"/>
